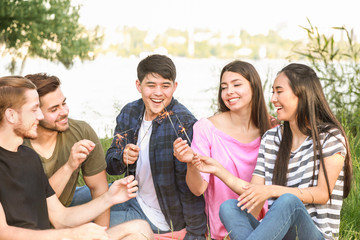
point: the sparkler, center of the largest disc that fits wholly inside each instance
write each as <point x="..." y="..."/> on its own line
<point x="120" y="137"/>
<point x="183" y="129"/>
<point x="168" y="115"/>
<point x="127" y="159"/>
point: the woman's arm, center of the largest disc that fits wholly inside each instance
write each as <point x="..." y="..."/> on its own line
<point x="255" y="193"/>
<point x="194" y="180"/>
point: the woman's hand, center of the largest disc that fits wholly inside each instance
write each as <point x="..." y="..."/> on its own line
<point x="206" y="164"/>
<point x="253" y="195"/>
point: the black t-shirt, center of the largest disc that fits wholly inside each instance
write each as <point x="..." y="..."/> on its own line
<point x="24" y="188"/>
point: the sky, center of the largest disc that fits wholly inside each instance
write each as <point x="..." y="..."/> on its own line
<point x="228" y="16"/>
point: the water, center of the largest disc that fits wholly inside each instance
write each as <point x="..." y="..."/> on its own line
<point x="97" y="90"/>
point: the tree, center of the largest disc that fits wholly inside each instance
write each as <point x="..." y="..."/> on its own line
<point x="47" y="29"/>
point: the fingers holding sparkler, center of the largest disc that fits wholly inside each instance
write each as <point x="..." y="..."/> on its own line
<point x="131" y="154"/>
<point x="182" y="150"/>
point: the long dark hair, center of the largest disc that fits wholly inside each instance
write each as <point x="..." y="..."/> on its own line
<point x="313" y="116"/>
<point x="259" y="113"/>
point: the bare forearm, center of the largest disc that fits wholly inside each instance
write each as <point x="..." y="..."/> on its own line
<point x="306" y="195"/>
<point x="77" y="215"/>
<point x="234" y="183"/>
<point x="15" y="233"/>
<point x="60" y="178"/>
<point x="104" y="218"/>
<point x="194" y="180"/>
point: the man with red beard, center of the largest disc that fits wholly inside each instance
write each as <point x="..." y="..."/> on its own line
<point x="67" y="146"/>
<point x="29" y="208"/>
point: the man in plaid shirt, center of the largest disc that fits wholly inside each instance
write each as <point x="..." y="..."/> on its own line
<point x="143" y="146"/>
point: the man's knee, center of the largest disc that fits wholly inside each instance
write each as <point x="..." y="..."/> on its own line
<point x="134" y="229"/>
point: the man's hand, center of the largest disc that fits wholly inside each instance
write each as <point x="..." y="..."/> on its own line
<point x="79" y="153"/>
<point x="131" y="154"/>
<point x="89" y="231"/>
<point x="182" y="151"/>
<point x="123" y="189"/>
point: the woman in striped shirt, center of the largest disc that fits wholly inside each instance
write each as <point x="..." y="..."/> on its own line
<point x="305" y="193"/>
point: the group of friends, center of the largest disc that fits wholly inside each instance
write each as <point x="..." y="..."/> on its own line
<point x="239" y="174"/>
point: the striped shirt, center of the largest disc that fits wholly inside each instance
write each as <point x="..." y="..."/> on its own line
<point x="300" y="172"/>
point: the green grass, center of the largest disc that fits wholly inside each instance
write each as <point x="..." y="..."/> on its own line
<point x="350" y="212"/>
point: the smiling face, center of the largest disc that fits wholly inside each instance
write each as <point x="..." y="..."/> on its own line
<point x="28" y="116"/>
<point x="284" y="99"/>
<point x="155" y="91"/>
<point x="55" y="110"/>
<point x="236" y="91"/>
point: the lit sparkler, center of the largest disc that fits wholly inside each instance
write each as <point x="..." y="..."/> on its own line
<point x="167" y="114"/>
<point x="121" y="137"/>
<point x="183" y="129"/>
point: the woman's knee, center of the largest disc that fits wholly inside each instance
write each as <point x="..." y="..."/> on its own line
<point x="288" y="199"/>
<point x="227" y="208"/>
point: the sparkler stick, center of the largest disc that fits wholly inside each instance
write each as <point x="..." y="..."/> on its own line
<point x="183" y="129"/>
<point x="168" y="115"/>
<point x="127" y="158"/>
<point x="120" y="137"/>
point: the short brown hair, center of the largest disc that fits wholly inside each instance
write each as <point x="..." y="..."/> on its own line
<point x="156" y="64"/>
<point x="44" y="83"/>
<point x="12" y="89"/>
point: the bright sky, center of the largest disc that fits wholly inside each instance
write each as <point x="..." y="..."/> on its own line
<point x="255" y="16"/>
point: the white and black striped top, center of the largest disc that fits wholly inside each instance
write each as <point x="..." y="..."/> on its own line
<point x="300" y="173"/>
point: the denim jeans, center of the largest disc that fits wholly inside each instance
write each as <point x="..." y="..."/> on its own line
<point x="119" y="213"/>
<point x="127" y="211"/>
<point x="286" y="219"/>
<point x="82" y="195"/>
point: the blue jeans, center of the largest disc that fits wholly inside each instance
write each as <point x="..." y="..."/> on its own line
<point x="82" y="195"/>
<point x="119" y="213"/>
<point x="286" y="219"/>
<point x="127" y="211"/>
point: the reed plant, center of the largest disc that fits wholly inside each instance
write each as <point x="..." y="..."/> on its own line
<point x="337" y="63"/>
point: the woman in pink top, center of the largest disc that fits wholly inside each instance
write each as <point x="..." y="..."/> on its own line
<point x="232" y="135"/>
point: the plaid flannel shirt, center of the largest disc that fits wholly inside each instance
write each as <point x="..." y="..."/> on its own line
<point x="180" y="207"/>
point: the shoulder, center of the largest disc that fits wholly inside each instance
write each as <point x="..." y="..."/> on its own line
<point x="79" y="125"/>
<point x="80" y="130"/>
<point x="272" y="136"/>
<point x="332" y="137"/>
<point x="29" y="152"/>
<point x="134" y="108"/>
<point x="272" y="132"/>
<point x="203" y="123"/>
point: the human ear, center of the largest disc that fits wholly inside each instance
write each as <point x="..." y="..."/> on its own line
<point x="138" y="85"/>
<point x="11" y="115"/>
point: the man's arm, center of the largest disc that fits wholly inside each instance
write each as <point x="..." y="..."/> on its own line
<point x="78" y="154"/>
<point x="61" y="217"/>
<point x="84" y="232"/>
<point x="98" y="185"/>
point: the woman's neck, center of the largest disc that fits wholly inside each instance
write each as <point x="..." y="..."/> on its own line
<point x="297" y="136"/>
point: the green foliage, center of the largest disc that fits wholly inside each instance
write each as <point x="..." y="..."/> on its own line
<point x="350" y="212"/>
<point x="337" y="65"/>
<point x="47" y="29"/>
